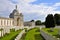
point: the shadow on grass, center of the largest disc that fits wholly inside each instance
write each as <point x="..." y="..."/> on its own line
<point x="58" y="36"/>
<point x="39" y="37"/>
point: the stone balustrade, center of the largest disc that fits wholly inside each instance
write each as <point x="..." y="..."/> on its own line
<point x="7" y="30"/>
<point x="4" y="31"/>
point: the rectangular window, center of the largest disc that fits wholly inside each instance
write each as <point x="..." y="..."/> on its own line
<point x="1" y="22"/>
<point x="4" y="22"/>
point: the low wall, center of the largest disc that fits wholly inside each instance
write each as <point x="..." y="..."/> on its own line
<point x="20" y="35"/>
<point x="7" y="29"/>
<point x="4" y="31"/>
<point x="48" y="36"/>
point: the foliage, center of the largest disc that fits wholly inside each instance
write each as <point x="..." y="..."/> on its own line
<point x="23" y="36"/>
<point x="32" y="34"/>
<point x="11" y="35"/>
<point x="32" y="20"/>
<point x="47" y="30"/>
<point x="38" y="22"/>
<point x="50" y="22"/>
<point x="57" y="18"/>
<point x="39" y="37"/>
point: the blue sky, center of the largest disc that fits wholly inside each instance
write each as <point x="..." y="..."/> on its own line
<point x="31" y="9"/>
<point x="45" y="1"/>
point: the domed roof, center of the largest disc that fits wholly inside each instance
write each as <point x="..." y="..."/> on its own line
<point x="15" y="10"/>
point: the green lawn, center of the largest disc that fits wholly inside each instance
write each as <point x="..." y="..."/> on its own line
<point x="53" y="33"/>
<point x="11" y="35"/>
<point x="33" y="34"/>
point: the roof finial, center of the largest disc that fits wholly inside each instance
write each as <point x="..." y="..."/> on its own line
<point x="16" y="6"/>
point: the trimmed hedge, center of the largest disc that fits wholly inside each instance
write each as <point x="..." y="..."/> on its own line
<point x="33" y="34"/>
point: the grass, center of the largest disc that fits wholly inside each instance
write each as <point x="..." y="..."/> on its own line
<point x="23" y="36"/>
<point x="53" y="33"/>
<point x="38" y="37"/>
<point x="33" y="34"/>
<point x="11" y="35"/>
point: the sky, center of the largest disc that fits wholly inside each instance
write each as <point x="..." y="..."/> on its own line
<point x="31" y="9"/>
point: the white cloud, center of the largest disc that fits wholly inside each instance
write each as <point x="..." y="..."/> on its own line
<point x="28" y="1"/>
<point x="25" y="7"/>
<point x="39" y="9"/>
<point x="57" y="4"/>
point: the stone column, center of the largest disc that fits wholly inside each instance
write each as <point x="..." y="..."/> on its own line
<point x="3" y="22"/>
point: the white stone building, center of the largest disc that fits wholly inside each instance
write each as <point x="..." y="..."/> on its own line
<point x="15" y="19"/>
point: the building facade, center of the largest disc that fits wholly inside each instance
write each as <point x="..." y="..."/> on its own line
<point x="6" y="22"/>
<point x="29" y="23"/>
<point x="15" y="19"/>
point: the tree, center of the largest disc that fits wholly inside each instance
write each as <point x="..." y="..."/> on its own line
<point x="57" y="18"/>
<point x="50" y="22"/>
<point x="43" y="23"/>
<point x="38" y="22"/>
<point x="32" y="20"/>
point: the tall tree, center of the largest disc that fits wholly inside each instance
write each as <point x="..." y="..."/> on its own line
<point x="38" y="22"/>
<point x="49" y="22"/>
<point x="57" y="18"/>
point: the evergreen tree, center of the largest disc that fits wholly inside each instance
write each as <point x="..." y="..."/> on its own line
<point x="38" y="22"/>
<point x="57" y="18"/>
<point x="50" y="22"/>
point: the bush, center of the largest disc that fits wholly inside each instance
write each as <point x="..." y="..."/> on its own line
<point x="38" y="22"/>
<point x="12" y="30"/>
<point x="13" y="37"/>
